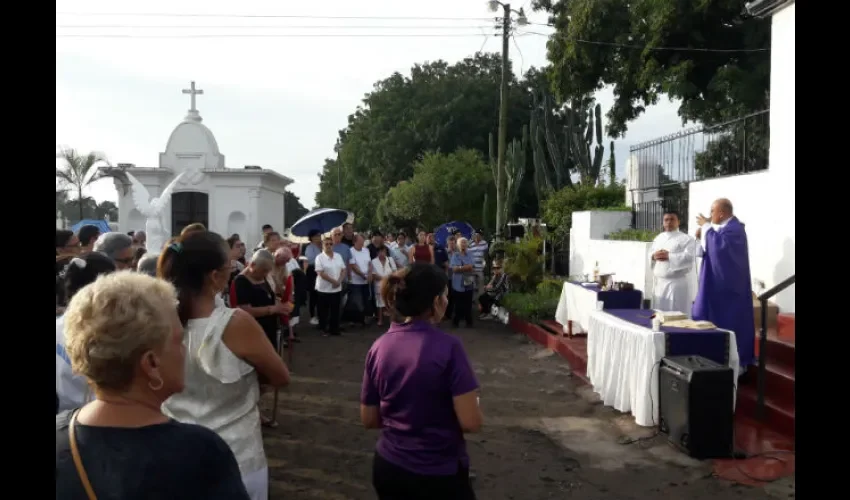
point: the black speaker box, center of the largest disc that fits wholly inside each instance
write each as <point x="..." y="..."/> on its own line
<point x="696" y="405"/>
<point x="516" y="231"/>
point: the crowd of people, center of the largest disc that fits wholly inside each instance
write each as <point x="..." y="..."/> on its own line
<point x="163" y="355"/>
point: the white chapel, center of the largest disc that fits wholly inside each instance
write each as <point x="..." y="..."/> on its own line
<point x="226" y="200"/>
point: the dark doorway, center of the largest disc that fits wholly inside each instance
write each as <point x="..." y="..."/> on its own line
<point x="188" y="208"/>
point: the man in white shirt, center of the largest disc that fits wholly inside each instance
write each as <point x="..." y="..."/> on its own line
<point x="330" y="270"/>
<point x="359" y="267"/>
<point x="672" y="260"/>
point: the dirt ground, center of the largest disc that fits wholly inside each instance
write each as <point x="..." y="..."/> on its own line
<point x="545" y="435"/>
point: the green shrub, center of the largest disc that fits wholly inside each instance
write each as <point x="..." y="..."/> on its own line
<point x="524" y="264"/>
<point x="633" y="235"/>
<point x="537" y="305"/>
<point x="559" y="207"/>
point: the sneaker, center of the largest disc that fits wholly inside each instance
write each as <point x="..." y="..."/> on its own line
<point x="482" y="316"/>
<point x="314" y="321"/>
<point x="486" y="317"/>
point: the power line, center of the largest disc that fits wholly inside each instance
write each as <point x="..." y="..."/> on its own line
<point x="267" y="16"/>
<point x="261" y="26"/>
<point x="282" y="35"/>
<point x="646" y="47"/>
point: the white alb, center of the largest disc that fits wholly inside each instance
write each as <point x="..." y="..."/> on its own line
<point x="672" y="277"/>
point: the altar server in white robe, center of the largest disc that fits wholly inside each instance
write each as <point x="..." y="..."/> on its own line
<point x="672" y="254"/>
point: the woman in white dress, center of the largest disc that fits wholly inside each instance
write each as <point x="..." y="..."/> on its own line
<point x="226" y="350"/>
<point x="382" y="266"/>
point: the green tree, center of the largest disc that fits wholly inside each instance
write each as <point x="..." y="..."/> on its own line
<point x="444" y="187"/>
<point x="76" y="171"/>
<point x="439" y="107"/>
<point x="712" y="86"/>
<point x="292" y="208"/>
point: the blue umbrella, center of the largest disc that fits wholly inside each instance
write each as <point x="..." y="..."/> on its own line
<point x="99" y="223"/>
<point x="442" y="233"/>
<point x="321" y="219"/>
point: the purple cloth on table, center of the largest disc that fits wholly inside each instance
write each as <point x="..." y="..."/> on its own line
<point x="711" y="344"/>
<point x="725" y="295"/>
<point x="616" y="299"/>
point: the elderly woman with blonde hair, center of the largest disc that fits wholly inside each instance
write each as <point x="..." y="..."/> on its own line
<point x="124" y="335"/>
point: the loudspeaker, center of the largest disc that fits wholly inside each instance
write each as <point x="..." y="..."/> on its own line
<point x="516" y="231"/>
<point x="696" y="405"/>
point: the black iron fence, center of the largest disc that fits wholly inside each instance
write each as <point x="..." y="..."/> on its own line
<point x="660" y="170"/>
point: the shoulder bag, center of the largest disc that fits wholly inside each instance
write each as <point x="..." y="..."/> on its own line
<point x="78" y="461"/>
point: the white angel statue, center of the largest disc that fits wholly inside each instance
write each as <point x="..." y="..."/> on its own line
<point x="152" y="209"/>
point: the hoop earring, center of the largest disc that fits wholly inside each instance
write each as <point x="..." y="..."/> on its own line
<point x="151" y="387"/>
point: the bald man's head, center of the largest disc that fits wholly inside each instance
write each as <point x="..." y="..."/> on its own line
<point x="721" y="210"/>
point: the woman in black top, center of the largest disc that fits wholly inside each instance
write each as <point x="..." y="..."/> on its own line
<point x="253" y="293"/>
<point x="124" y="335"/>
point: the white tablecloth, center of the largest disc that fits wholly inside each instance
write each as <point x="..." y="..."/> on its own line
<point x="623" y="361"/>
<point x="576" y="304"/>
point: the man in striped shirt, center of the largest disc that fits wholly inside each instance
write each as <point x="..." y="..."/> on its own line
<point x="478" y="250"/>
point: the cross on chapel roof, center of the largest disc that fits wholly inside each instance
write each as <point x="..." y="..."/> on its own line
<point x="193" y="111"/>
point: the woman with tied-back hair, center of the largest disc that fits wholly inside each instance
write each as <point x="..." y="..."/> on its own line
<point x="254" y="292"/>
<point x="124" y="336"/>
<point x="227" y="351"/>
<point x="285" y="289"/>
<point x="72" y="390"/>
<point x="420" y="390"/>
<point x="421" y="251"/>
<point x="67" y="247"/>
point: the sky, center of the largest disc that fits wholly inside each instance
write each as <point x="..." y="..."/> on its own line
<point x="275" y="98"/>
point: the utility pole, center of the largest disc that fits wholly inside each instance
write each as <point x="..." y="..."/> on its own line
<point x="503" y="120"/>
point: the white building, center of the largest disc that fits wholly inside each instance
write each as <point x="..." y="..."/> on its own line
<point x="226" y="200"/>
<point x="765" y="201"/>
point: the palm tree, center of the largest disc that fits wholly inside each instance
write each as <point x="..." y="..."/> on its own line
<point x="77" y="171"/>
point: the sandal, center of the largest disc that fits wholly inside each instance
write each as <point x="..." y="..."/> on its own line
<point x="268" y="422"/>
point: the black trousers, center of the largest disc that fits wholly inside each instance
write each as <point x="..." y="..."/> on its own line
<point x="462" y="307"/>
<point x="394" y="483"/>
<point x="310" y="285"/>
<point x="486" y="300"/>
<point x="358" y="302"/>
<point x="328" y="312"/>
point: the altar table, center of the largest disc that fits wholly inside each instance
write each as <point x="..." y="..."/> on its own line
<point x="578" y="300"/>
<point x="624" y="354"/>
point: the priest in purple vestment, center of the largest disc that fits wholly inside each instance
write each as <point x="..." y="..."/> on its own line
<point x="724" y="296"/>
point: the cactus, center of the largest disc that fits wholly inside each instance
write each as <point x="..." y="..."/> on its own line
<point x="555" y="160"/>
<point x="612" y="166"/>
<point x="514" y="171"/>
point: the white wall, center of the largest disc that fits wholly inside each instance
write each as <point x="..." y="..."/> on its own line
<point x="770" y="237"/>
<point x="628" y="259"/>
<point x="766" y="201"/>
<point x="271" y="209"/>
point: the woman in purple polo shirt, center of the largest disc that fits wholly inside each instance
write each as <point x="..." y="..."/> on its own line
<point x="420" y="390"/>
